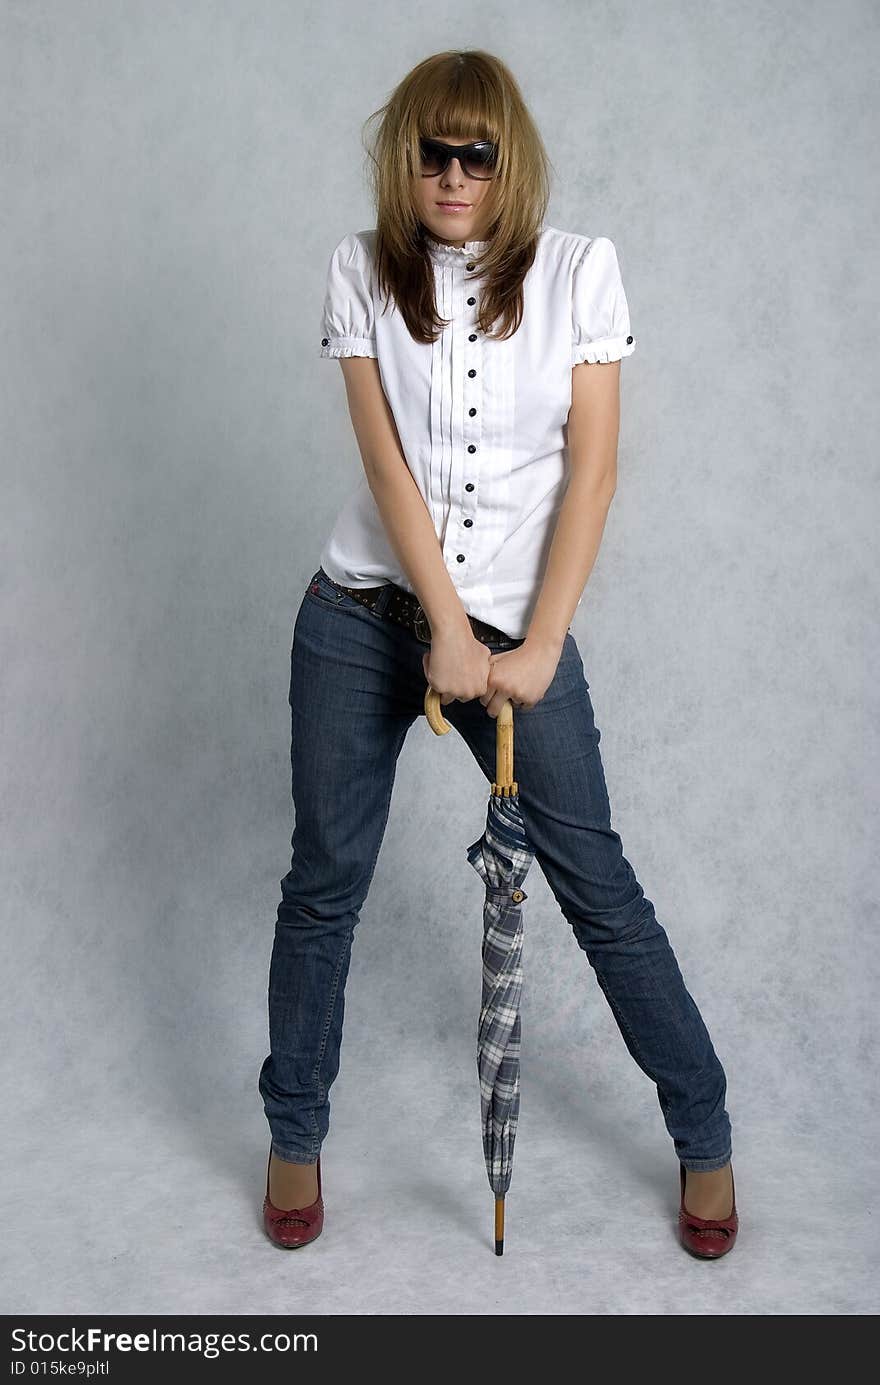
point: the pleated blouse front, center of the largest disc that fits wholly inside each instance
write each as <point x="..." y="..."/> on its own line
<point x="482" y="422"/>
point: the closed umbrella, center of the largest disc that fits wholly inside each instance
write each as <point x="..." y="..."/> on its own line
<point x="501" y="857"/>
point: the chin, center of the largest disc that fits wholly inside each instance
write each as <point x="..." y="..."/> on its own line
<point x="455" y="228"/>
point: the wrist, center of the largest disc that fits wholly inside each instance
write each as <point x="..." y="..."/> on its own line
<point x="449" y="622"/>
<point x="546" y="641"/>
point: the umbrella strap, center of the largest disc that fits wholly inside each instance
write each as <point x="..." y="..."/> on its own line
<point x="503" y="892"/>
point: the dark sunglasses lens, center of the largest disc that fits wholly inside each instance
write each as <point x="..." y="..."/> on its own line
<point x="432" y="157"/>
<point x="479" y="162"/>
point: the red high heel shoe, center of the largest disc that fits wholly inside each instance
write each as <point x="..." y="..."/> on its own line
<point x="703" y="1236"/>
<point x="294" y="1226"/>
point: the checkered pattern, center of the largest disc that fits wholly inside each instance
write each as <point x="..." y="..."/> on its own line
<point x="501" y="857"/>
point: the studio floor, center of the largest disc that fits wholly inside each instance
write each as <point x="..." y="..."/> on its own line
<point x="155" y="1213"/>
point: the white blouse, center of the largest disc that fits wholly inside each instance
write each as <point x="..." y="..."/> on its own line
<point x="483" y="423"/>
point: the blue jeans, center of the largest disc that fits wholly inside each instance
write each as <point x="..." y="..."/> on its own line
<point x="357" y="685"/>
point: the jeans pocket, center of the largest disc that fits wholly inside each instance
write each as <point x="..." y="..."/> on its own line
<point x="325" y="591"/>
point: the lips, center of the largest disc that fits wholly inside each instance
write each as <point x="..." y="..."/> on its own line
<point x="453" y="204"/>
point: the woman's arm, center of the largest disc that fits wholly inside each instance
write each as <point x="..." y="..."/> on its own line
<point x="593" y="427"/>
<point x="405" y="516"/>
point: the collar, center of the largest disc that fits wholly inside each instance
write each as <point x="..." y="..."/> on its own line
<point x="453" y="254"/>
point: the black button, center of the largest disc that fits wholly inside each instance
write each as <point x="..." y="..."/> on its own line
<point x="468" y="523"/>
<point x="472" y="412"/>
<point x="469" y="486"/>
<point x="471" y="264"/>
<point x="472" y="373"/>
<point x="472" y="301"/>
<point x="471" y="447"/>
<point x="459" y="557"/>
<point x="325" y="341"/>
<point x="628" y="340"/>
<point x="472" y="337"/>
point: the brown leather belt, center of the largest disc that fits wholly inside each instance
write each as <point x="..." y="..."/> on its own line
<point x="405" y="608"/>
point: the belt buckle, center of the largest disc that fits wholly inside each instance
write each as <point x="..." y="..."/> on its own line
<point x="420" y="623"/>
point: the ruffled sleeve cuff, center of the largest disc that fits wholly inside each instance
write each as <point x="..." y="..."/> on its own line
<point x="608" y="349"/>
<point x="348" y="346"/>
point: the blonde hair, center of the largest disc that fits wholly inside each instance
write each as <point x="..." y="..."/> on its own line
<point x="457" y="92"/>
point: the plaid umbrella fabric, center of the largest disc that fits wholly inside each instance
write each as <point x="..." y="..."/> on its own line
<point x="501" y="856"/>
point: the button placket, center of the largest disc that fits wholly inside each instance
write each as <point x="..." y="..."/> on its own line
<point x="455" y="457"/>
<point x="456" y="352"/>
<point x="469" y="507"/>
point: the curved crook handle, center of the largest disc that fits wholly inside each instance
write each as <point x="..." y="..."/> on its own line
<point x="439" y="725"/>
<point x="436" y="720"/>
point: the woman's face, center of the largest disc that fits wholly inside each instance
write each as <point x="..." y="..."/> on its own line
<point x="468" y="222"/>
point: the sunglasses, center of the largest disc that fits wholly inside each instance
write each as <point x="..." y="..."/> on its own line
<point x="477" y="160"/>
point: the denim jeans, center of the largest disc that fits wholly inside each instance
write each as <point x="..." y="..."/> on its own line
<point x="357" y="685"/>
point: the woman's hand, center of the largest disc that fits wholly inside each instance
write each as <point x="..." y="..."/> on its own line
<point x="523" y="675"/>
<point x="457" y="665"/>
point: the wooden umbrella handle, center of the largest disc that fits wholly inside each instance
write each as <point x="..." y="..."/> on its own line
<point x="504" y="780"/>
<point x="436" y="720"/>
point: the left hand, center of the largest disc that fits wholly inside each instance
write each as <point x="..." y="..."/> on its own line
<point x="523" y="675"/>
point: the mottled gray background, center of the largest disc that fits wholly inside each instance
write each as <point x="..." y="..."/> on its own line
<point x="174" y="452"/>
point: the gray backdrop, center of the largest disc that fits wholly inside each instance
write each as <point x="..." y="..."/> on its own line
<point x="174" y="452"/>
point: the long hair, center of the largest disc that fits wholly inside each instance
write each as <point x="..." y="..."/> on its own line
<point x="458" y="92"/>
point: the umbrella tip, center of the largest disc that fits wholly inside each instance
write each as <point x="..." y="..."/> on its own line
<point x="499" y="1225"/>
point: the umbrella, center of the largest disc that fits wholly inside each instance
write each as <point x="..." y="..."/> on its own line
<point x="501" y="857"/>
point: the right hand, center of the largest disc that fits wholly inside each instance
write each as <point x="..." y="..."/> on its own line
<point x="457" y="665"/>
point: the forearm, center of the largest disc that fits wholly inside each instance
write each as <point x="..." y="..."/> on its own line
<point x="410" y="529"/>
<point x="578" y="534"/>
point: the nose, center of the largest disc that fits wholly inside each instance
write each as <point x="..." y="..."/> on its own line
<point x="448" y="171"/>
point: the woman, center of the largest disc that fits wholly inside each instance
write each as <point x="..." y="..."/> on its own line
<point x="481" y="354"/>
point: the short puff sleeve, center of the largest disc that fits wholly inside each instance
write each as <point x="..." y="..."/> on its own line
<point x="600" y="328"/>
<point x="348" y="320"/>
